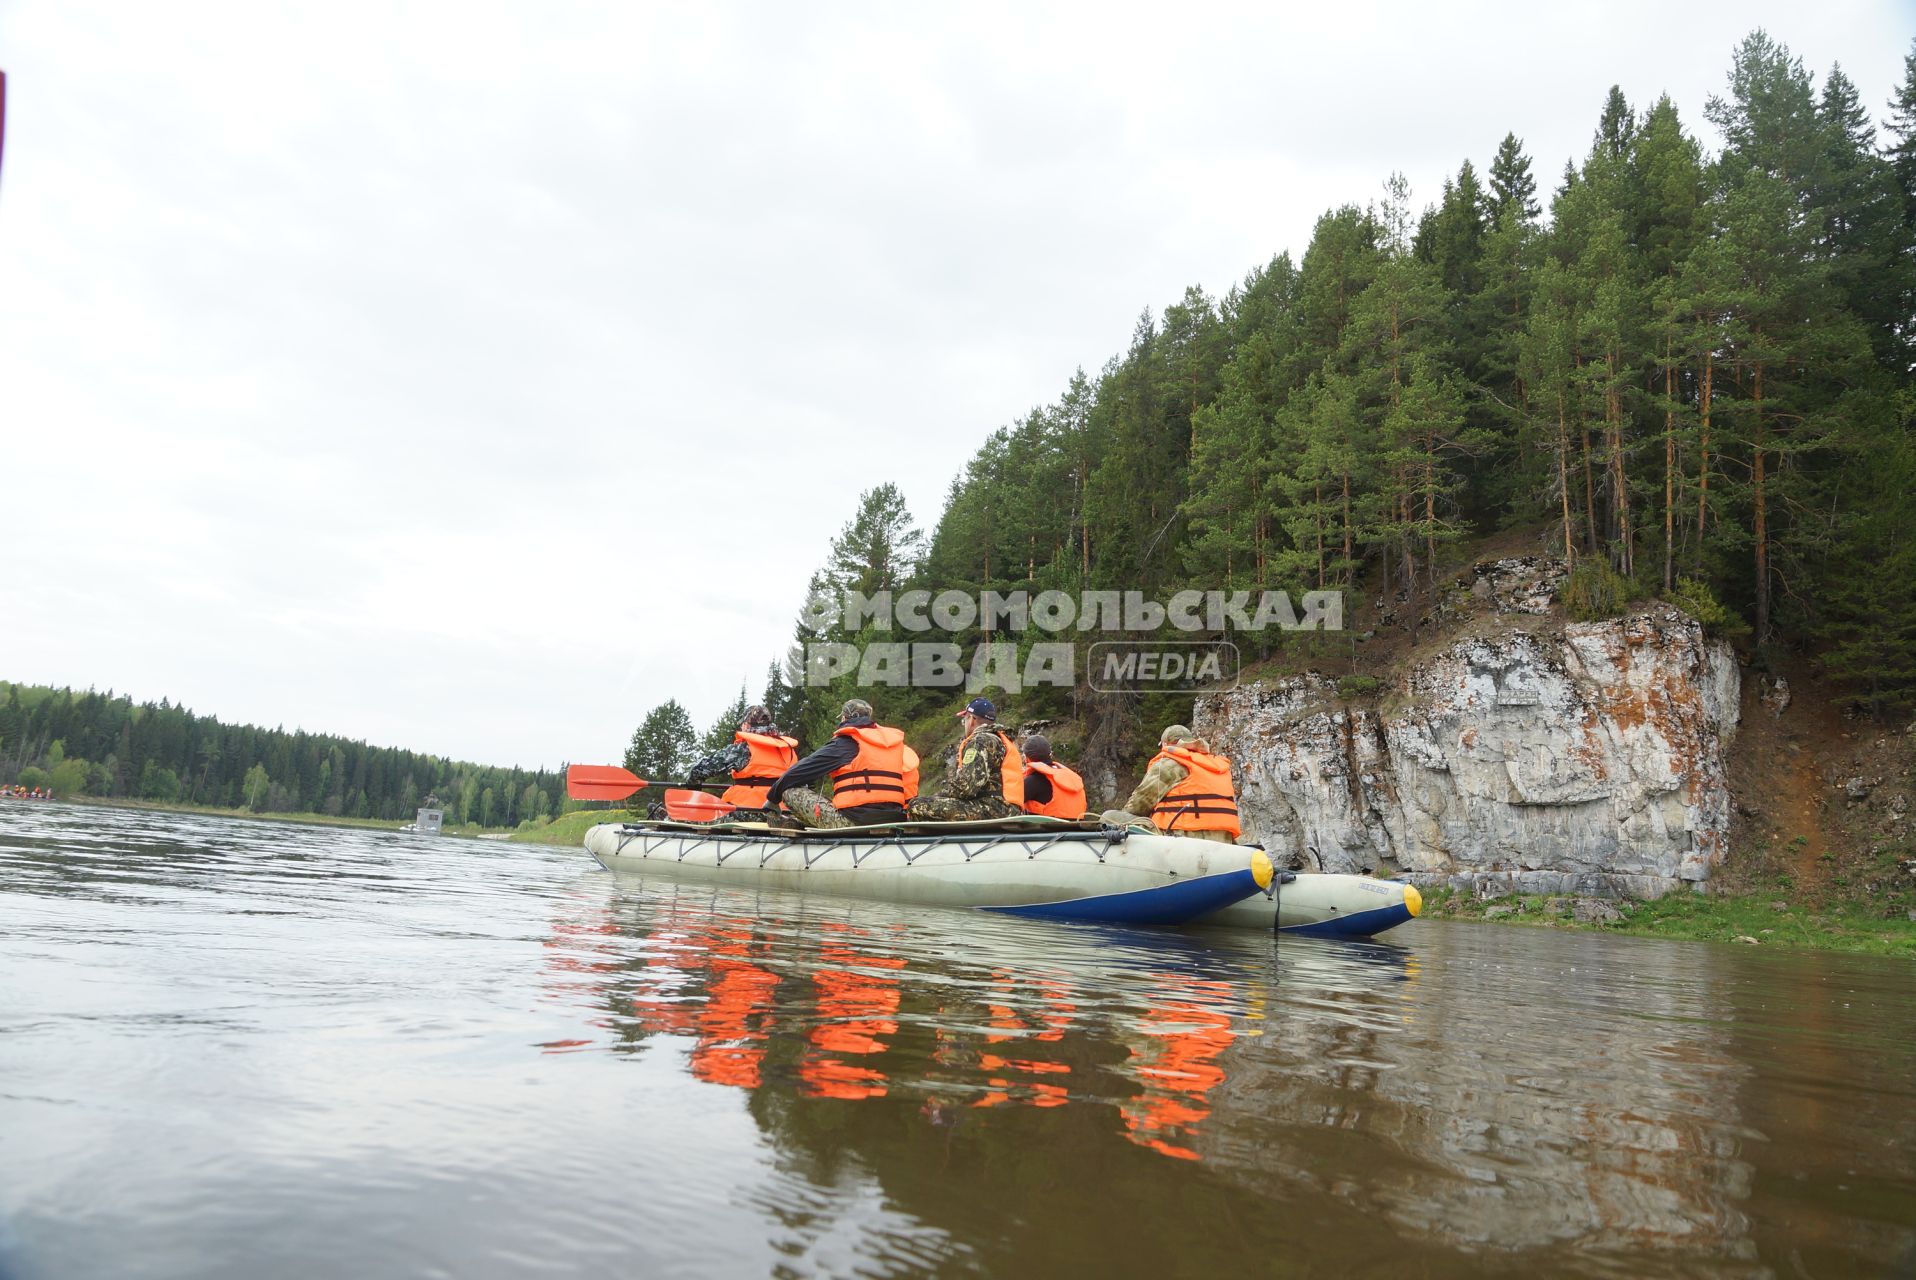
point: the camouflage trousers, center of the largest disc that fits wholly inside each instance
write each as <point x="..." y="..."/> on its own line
<point x="812" y="809"/>
<point x="960" y="809"/>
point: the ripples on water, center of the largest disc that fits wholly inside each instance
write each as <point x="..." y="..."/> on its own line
<point x="245" y="1049"/>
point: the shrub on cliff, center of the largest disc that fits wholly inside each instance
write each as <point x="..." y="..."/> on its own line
<point x="1594" y="591"/>
<point x="1694" y="597"/>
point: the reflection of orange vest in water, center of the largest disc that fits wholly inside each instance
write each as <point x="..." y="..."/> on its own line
<point x="772" y="754"/>
<point x="1067" y="792"/>
<point x="1011" y="771"/>
<point x="1178" y="1066"/>
<point x="1204" y="801"/>
<point x="885" y="771"/>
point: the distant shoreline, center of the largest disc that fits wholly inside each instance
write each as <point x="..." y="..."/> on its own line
<point x="469" y="831"/>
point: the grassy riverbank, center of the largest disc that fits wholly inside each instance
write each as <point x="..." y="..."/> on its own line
<point x="1752" y="920"/>
<point x="569" y="828"/>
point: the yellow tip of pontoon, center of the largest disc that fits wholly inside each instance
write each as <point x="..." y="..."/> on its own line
<point x="1413" y="900"/>
<point x="1263" y="872"/>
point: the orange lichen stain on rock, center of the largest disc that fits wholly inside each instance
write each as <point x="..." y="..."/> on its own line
<point x="1589" y="751"/>
<point x="1468" y="739"/>
<point x="1625" y="706"/>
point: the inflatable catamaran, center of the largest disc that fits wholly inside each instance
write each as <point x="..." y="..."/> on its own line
<point x="1031" y="866"/>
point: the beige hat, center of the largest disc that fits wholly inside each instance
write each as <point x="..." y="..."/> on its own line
<point x="1176" y="733"/>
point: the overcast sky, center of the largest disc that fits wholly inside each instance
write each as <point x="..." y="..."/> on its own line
<point x="471" y="377"/>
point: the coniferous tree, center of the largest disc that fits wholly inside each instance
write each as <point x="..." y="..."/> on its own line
<point x="725" y="727"/>
<point x="1901" y="131"/>
<point x="1870" y="605"/>
<point x="660" y="750"/>
<point x="1513" y="191"/>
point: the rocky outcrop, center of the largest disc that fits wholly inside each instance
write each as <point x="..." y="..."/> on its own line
<point x="1533" y="755"/>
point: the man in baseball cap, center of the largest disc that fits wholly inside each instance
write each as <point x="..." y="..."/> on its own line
<point x="988" y="779"/>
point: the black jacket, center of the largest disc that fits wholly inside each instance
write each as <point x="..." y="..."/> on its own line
<point x="822" y="763"/>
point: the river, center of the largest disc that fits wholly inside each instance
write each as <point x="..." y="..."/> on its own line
<point x="253" y="1049"/>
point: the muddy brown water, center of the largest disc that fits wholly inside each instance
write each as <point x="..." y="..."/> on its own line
<point x="258" y="1049"/>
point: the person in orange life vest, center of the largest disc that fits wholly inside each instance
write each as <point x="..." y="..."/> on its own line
<point x="987" y="778"/>
<point x="873" y="774"/>
<point x="754" y="758"/>
<point x="1050" y="788"/>
<point x="1186" y="791"/>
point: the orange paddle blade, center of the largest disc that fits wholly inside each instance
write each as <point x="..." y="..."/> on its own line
<point x="695" y="806"/>
<point x="601" y="782"/>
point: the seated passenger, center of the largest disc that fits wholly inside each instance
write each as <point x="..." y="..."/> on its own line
<point x="756" y="756"/>
<point x="988" y="780"/>
<point x="873" y="774"/>
<point x="1051" y="789"/>
<point x="1186" y="791"/>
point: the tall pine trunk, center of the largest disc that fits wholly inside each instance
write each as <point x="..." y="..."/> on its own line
<point x="1703" y="452"/>
<point x="1317" y="519"/>
<point x="1589" y="497"/>
<point x="1620" y="497"/>
<point x="1348" y="569"/>
<point x="1759" y="523"/>
<point x="1430" y="510"/>
<point x="1669" y="469"/>
<point x="1563" y="478"/>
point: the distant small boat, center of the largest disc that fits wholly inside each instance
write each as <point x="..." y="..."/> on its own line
<point x="1030" y="866"/>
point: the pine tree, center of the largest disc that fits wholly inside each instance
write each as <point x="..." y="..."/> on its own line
<point x="720" y="735"/>
<point x="879" y="548"/>
<point x="1338" y="266"/>
<point x="1548" y="367"/>
<point x="1870" y="606"/>
<point x="1859" y="213"/>
<point x="1610" y="303"/>
<point x="659" y="752"/>
<point x="1769" y="119"/>
<point x="1616" y="127"/>
<point x="783" y="699"/>
<point x="1668" y="216"/>
<point x="1901" y="127"/>
<point x="1513" y="191"/>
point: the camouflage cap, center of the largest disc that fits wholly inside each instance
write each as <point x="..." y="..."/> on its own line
<point x="757" y="717"/>
<point x="1176" y="733"/>
<point x="855" y="709"/>
<point x="1036" y="747"/>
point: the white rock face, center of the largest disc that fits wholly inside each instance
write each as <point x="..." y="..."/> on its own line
<point x="1583" y="758"/>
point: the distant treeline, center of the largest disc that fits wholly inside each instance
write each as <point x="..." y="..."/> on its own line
<point x="101" y="744"/>
<point x="1688" y="374"/>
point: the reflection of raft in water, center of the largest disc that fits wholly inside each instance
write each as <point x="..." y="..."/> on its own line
<point x="1024" y="866"/>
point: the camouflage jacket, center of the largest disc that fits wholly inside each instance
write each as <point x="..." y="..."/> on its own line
<point x="727" y="760"/>
<point x="1155" y="785"/>
<point x="977" y="773"/>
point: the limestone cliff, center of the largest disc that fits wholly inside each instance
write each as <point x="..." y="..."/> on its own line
<point x="1525" y="753"/>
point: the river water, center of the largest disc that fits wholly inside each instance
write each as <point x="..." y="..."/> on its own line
<point x="258" y="1049"/>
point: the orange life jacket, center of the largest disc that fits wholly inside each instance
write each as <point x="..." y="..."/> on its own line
<point x="1011" y="771"/>
<point x="911" y="773"/>
<point x="1067" y="792"/>
<point x="879" y="773"/>
<point x="772" y="754"/>
<point x="1204" y="801"/>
